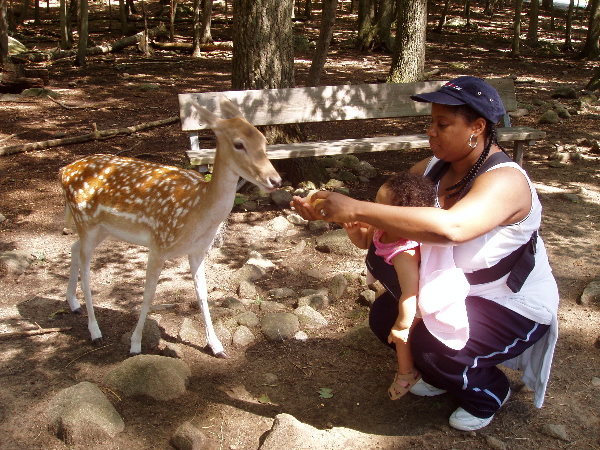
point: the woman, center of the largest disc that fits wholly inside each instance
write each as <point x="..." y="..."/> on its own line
<point x="488" y="213"/>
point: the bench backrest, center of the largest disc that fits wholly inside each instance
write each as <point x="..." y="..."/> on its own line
<point x="327" y="103"/>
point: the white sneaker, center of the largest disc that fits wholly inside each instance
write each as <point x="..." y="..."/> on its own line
<point x="465" y="421"/>
<point x="423" y="389"/>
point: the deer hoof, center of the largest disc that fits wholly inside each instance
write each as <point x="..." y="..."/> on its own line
<point x="132" y="354"/>
<point x="78" y="311"/>
<point x="221" y="355"/>
<point x="97" y="342"/>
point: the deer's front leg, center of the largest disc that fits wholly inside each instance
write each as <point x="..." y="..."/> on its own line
<point x="197" y="269"/>
<point x="153" y="270"/>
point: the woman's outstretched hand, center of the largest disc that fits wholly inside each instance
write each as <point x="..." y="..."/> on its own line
<point x="333" y="207"/>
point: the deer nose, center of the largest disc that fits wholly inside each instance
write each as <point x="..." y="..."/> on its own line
<point x="274" y="182"/>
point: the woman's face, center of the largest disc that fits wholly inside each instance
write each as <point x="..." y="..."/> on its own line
<point x="449" y="133"/>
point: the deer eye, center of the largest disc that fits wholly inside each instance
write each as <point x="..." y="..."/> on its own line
<point x="239" y="145"/>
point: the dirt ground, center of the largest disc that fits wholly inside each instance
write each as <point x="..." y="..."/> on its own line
<point x="125" y="89"/>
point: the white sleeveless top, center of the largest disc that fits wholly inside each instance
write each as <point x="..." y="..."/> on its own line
<point x="538" y="298"/>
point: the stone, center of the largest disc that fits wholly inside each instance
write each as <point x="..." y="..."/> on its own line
<point x="242" y="336"/>
<point x="81" y="414"/>
<point x="280" y="326"/>
<point x="154" y="376"/>
<point x="310" y="318"/>
<point x="248" y="319"/>
<point x="188" y="437"/>
<point x="590" y="294"/>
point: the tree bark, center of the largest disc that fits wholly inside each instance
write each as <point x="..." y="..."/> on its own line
<point x="442" y="21"/>
<point x="568" y="45"/>
<point x="515" y="50"/>
<point x="532" y="31"/>
<point x="383" y="23"/>
<point x="66" y="40"/>
<point x="3" y="34"/>
<point x="327" y="24"/>
<point x="366" y="26"/>
<point x="408" y="61"/>
<point x="263" y="58"/>
<point x="591" y="50"/>
<point x="263" y="54"/>
<point x="83" y="34"/>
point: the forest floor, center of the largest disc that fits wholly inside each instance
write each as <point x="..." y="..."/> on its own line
<point x="125" y="89"/>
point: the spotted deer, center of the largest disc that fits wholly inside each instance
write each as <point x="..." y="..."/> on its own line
<point x="171" y="211"/>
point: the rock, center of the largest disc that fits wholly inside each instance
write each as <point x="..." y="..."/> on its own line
<point x="318" y="225"/>
<point x="171" y="350"/>
<point x="151" y="335"/>
<point x="15" y="262"/>
<point x="495" y="443"/>
<point x="549" y="117"/>
<point x="2" y="217"/>
<point x="279" y="224"/>
<point x="310" y="318"/>
<point x="345" y="175"/>
<point x="289" y="433"/>
<point x="248" y="319"/>
<point x="258" y="260"/>
<point x="280" y="326"/>
<point x="336" y="241"/>
<point x="279" y="293"/>
<point x="242" y="336"/>
<point x="153" y="376"/>
<point x="367" y="297"/>
<point x="81" y="415"/>
<point x="188" y="333"/>
<point x="281" y="198"/>
<point x="338" y="286"/>
<point x="366" y="170"/>
<point x="296" y="219"/>
<point x="246" y="289"/>
<point x="234" y="303"/>
<point x="570" y="197"/>
<point x="564" y="92"/>
<point x="316" y="301"/>
<point x="590" y="294"/>
<point x="555" y="431"/>
<point x="595" y="381"/>
<point x="270" y="306"/>
<point x="188" y="437"/>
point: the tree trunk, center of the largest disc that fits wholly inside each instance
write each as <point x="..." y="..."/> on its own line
<point x="122" y="17"/>
<point x="205" y="34"/>
<point x="3" y="34"/>
<point x="263" y="58"/>
<point x="568" y="45"/>
<point x="442" y="21"/>
<point x="515" y="51"/>
<point x="327" y="24"/>
<point x="196" y="53"/>
<point x="66" y="40"/>
<point x="263" y="54"/>
<point x="83" y="34"/>
<point x="366" y="27"/>
<point x="408" y="61"/>
<point x="532" y="31"/>
<point x="384" y="19"/>
<point x="468" y="12"/>
<point x="594" y="83"/>
<point x="307" y="9"/>
<point x="590" y="49"/>
<point x="172" y="13"/>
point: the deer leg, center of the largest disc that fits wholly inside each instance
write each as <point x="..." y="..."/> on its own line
<point x="87" y="244"/>
<point x="73" y="279"/>
<point x="153" y="270"/>
<point x="197" y="269"/>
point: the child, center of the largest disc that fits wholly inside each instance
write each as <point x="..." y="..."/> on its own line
<point x="394" y="261"/>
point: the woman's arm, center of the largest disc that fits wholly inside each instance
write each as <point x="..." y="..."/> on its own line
<point x="498" y="197"/>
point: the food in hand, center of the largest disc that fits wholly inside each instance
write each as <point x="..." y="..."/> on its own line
<point x="316" y="201"/>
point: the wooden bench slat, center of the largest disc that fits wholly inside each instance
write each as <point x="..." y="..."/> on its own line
<point x="326" y="103"/>
<point x="363" y="145"/>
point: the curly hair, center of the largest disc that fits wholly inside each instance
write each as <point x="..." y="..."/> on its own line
<point x="410" y="189"/>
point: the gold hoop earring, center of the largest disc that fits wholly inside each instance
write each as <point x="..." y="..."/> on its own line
<point x="471" y="143"/>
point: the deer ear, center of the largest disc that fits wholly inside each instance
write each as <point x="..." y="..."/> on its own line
<point x="206" y="116"/>
<point x="228" y="109"/>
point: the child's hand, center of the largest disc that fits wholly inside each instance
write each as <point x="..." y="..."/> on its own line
<point x="398" y="335"/>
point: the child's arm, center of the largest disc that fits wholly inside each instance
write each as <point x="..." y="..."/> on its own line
<point x="407" y="270"/>
<point x="360" y="234"/>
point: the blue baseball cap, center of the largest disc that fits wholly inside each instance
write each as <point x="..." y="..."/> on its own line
<point x="470" y="91"/>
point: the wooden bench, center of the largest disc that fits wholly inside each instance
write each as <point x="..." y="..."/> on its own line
<point x="340" y="103"/>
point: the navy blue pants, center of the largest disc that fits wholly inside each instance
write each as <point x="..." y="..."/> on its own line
<point x="497" y="334"/>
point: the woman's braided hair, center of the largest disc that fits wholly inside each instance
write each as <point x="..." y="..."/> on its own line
<point x="490" y="134"/>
